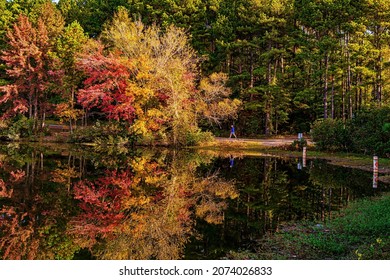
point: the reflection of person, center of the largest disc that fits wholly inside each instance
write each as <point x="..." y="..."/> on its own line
<point x="232" y="131"/>
<point x="231" y="160"/>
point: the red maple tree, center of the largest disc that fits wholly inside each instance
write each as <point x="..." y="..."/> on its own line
<point x="105" y="87"/>
<point x="31" y="68"/>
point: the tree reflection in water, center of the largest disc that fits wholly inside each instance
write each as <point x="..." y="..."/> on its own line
<point x="137" y="207"/>
<point x="60" y="202"/>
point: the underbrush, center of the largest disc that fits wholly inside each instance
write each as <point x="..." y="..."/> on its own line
<point x="368" y="132"/>
<point x="106" y="134"/>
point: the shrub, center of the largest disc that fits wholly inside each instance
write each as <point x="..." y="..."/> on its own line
<point x="370" y="131"/>
<point x="332" y="135"/>
<point x="112" y="133"/>
<point x="21" y="127"/>
<point x="198" y="137"/>
<point x="298" y="144"/>
<point x="367" y="132"/>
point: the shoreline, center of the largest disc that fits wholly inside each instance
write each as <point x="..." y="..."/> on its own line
<point x="279" y="146"/>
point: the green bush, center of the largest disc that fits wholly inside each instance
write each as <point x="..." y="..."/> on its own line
<point x="21" y="127"/>
<point x="332" y="135"/>
<point x="368" y="132"/>
<point x="197" y="137"/>
<point x="112" y="133"/>
<point x="298" y="144"/>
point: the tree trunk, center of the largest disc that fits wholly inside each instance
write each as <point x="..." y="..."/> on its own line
<point x="30" y="107"/>
<point x="332" y="98"/>
<point x="267" y="102"/>
<point x="326" y="86"/>
<point x="357" y="92"/>
<point x="378" y="65"/>
<point x="349" y="94"/>
<point x="343" y="100"/>
<point x="43" y="118"/>
<point x="228" y="62"/>
<point x="252" y="79"/>
<point x="379" y="79"/>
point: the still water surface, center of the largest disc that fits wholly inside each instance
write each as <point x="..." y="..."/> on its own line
<point x="72" y="202"/>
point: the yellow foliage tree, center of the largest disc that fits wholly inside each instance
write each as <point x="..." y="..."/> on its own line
<point x="167" y="100"/>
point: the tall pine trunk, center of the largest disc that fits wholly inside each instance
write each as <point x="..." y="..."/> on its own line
<point x="326" y="86"/>
<point x="267" y="106"/>
<point x="252" y="79"/>
<point x="332" y="99"/>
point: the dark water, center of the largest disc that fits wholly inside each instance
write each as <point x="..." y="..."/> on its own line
<point x="72" y="202"/>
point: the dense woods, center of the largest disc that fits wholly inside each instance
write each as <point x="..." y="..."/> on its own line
<point x="170" y="70"/>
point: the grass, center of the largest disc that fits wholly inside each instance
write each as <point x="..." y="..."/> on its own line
<point x="361" y="231"/>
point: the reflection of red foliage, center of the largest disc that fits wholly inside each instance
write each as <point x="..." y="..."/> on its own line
<point x="184" y="215"/>
<point x="17" y="176"/>
<point x="3" y="190"/>
<point x="18" y="241"/>
<point x="101" y="204"/>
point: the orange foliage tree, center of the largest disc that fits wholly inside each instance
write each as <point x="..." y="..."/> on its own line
<point x="31" y="68"/>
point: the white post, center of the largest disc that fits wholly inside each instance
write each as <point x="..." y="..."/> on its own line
<point x="375" y="172"/>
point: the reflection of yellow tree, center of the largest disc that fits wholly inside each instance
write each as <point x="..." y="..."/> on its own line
<point x="164" y="198"/>
<point x="64" y="174"/>
<point x="212" y="195"/>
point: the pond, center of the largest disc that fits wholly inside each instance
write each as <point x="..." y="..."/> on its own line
<point x="79" y="202"/>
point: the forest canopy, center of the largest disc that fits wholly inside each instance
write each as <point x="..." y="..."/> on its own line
<point x="170" y="70"/>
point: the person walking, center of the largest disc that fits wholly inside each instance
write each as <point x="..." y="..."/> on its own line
<point x="232" y="131"/>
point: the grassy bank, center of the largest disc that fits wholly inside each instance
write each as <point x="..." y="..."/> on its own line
<point x="361" y="231"/>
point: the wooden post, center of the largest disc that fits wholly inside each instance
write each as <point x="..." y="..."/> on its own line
<point x="375" y="172"/>
<point x="304" y="157"/>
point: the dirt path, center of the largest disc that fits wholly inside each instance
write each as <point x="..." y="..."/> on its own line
<point x="267" y="142"/>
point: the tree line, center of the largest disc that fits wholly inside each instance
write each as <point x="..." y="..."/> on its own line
<point x="169" y="67"/>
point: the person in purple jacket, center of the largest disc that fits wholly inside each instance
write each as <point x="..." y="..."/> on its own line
<point x="232" y="131"/>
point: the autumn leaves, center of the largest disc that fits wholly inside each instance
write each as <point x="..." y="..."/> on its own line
<point x="143" y="77"/>
<point x="155" y="80"/>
